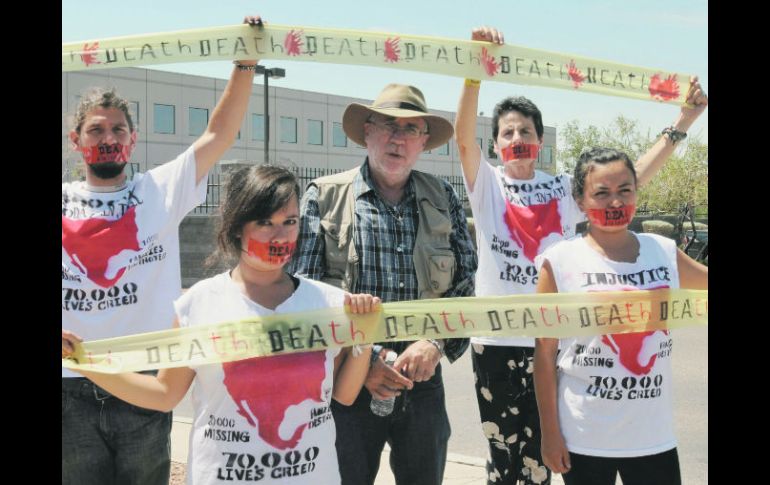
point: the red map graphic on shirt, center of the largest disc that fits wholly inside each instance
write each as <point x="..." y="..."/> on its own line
<point x="529" y="225"/>
<point x="628" y="346"/>
<point x="265" y="387"/>
<point x="90" y="243"/>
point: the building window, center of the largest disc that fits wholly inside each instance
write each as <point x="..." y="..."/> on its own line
<point x="491" y="150"/>
<point x="163" y="119"/>
<point x="133" y="110"/>
<point x="257" y="127"/>
<point x="288" y="129"/>
<point x="315" y="132"/>
<point x="198" y="121"/>
<point x="480" y="142"/>
<point x="339" y="139"/>
<point x="546" y="155"/>
<point x="443" y="149"/>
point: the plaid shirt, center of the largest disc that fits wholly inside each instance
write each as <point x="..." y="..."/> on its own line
<point x="384" y="236"/>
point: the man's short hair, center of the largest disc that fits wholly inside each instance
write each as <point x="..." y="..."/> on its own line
<point x="100" y="97"/>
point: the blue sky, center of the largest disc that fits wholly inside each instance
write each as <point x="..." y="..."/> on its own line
<point x="669" y="35"/>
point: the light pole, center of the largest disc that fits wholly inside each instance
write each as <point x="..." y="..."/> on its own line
<point x="275" y="73"/>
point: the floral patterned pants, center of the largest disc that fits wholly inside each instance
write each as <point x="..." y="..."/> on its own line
<point x="505" y="392"/>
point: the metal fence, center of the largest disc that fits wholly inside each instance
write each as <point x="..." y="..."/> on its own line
<point x="700" y="211"/>
<point x="213" y="189"/>
<point x="304" y="176"/>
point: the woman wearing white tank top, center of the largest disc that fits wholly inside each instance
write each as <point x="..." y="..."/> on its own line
<point x="593" y="426"/>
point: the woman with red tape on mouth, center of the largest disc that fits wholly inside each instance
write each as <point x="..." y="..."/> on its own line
<point x="265" y="418"/>
<point x="605" y="401"/>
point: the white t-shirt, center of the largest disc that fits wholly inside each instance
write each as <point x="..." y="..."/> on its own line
<point x="264" y="419"/>
<point x="120" y="251"/>
<point x="614" y="391"/>
<point x="515" y="221"/>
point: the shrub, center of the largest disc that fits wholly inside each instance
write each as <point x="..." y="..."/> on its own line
<point x="662" y="228"/>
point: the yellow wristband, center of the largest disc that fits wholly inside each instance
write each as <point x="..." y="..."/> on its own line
<point x="472" y="82"/>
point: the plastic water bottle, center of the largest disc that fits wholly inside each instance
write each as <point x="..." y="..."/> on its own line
<point x="383" y="407"/>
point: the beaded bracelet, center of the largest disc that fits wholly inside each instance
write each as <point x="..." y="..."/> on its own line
<point x="358" y="349"/>
<point x="243" y="67"/>
<point x="673" y="134"/>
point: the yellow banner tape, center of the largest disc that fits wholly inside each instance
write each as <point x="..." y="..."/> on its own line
<point x="451" y="57"/>
<point x="542" y="315"/>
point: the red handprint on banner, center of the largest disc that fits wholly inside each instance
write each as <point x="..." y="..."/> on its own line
<point x="575" y="74"/>
<point x="664" y="90"/>
<point x="392" y="49"/>
<point x="89" y="54"/>
<point x="293" y="42"/>
<point x="490" y="64"/>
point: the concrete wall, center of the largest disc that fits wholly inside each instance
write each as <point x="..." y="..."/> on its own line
<point x="197" y="242"/>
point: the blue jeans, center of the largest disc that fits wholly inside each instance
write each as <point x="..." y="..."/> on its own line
<point x="107" y="441"/>
<point x="417" y="432"/>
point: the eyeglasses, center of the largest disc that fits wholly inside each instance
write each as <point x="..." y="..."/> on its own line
<point x="391" y="128"/>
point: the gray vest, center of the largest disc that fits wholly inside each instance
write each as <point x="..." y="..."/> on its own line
<point x="434" y="260"/>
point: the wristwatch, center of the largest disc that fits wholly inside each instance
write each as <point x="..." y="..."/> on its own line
<point x="439" y="344"/>
<point x="376" y="349"/>
<point x="673" y="134"/>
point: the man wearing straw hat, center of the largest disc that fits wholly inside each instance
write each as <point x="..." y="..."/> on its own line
<point x="400" y="234"/>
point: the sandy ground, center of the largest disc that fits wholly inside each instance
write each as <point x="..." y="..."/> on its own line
<point x="177" y="473"/>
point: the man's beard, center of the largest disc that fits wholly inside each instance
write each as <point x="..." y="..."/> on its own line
<point x="107" y="170"/>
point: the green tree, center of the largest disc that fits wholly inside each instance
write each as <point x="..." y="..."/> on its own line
<point x="683" y="179"/>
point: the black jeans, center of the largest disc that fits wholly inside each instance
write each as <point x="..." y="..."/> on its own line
<point x="107" y="441"/>
<point x="660" y="469"/>
<point x="417" y="432"/>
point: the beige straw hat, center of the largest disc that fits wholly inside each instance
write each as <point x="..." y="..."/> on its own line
<point x="398" y="101"/>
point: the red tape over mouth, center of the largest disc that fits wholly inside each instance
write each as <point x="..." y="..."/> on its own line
<point x="615" y="216"/>
<point x="115" y="152"/>
<point x="272" y="252"/>
<point x="520" y="151"/>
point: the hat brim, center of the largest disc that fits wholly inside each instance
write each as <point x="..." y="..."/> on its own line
<point x="440" y="130"/>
